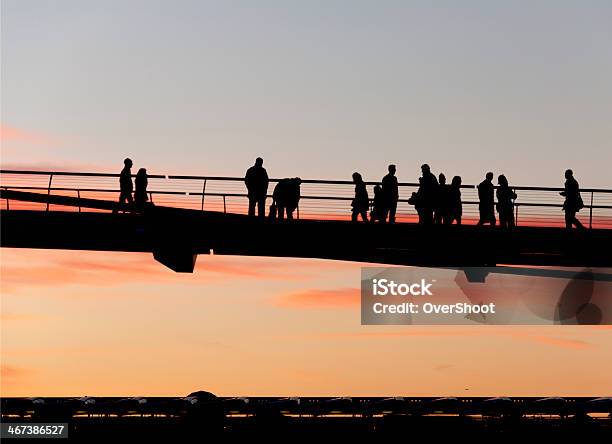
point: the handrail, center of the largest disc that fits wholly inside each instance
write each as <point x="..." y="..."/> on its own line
<point x="340" y="198"/>
<point x="539" y="203"/>
<point x="70" y="173"/>
<point x="241" y="179"/>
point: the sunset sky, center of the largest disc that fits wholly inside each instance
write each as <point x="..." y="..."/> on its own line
<point x="319" y="89"/>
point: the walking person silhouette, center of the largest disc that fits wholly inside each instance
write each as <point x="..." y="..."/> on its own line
<point x="125" y="183"/>
<point x="573" y="201"/>
<point x="256" y="181"/>
<point x="378" y="206"/>
<point x="361" y="202"/>
<point x="455" y="210"/>
<point x="140" y="195"/>
<point x="391" y="194"/>
<point x="428" y="192"/>
<point x="486" y="197"/>
<point x="442" y="201"/>
<point x="505" y="203"/>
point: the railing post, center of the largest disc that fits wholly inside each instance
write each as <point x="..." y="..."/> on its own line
<point x="516" y="206"/>
<point x="298" y="211"/>
<point x="151" y="196"/>
<point x="591" y="213"/>
<point x="79" y="197"/>
<point x="203" y="193"/>
<point x="49" y="188"/>
<point x="224" y="209"/>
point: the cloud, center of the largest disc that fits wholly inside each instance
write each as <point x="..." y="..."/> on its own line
<point x="10" y="372"/>
<point x="315" y="299"/>
<point x="12" y="134"/>
<point x="43" y="268"/>
<point x="80" y="271"/>
<point x="70" y="166"/>
<point x="476" y="331"/>
<point x="6" y="317"/>
<point x="574" y="344"/>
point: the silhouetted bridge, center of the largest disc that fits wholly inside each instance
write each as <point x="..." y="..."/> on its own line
<point x="202" y="415"/>
<point x="206" y="214"/>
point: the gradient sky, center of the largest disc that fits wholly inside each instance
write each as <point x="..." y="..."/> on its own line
<point x="319" y="89"/>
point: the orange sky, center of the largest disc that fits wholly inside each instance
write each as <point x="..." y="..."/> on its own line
<point x="318" y="91"/>
<point x="91" y="323"/>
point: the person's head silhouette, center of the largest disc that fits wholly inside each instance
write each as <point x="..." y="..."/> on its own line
<point x="502" y="181"/>
<point x="442" y="179"/>
<point x="569" y="173"/>
<point x="357" y="178"/>
<point x="456" y="181"/>
<point x="259" y="162"/>
<point x="489" y="176"/>
<point x="425" y="169"/>
<point x="128" y="162"/>
<point x="391" y="169"/>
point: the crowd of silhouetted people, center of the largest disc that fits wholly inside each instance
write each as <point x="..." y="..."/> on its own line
<point x="435" y="201"/>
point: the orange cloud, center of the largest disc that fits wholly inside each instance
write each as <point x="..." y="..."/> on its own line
<point x="12" y="134"/>
<point x="55" y="274"/>
<point x="42" y="268"/>
<point x="71" y="166"/>
<point x="10" y="372"/>
<point x="5" y="317"/>
<point x="440" y="331"/>
<point x="574" y="344"/>
<point x="314" y="298"/>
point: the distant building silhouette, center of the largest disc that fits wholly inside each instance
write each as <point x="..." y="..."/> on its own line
<point x="361" y="202"/>
<point x="140" y="195"/>
<point x="256" y="181"/>
<point x="390" y="192"/>
<point x="286" y="198"/>
<point x="573" y="201"/>
<point x="505" y="203"/>
<point x="486" y="197"/>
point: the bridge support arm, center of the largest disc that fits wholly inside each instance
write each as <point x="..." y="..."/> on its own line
<point x="180" y="260"/>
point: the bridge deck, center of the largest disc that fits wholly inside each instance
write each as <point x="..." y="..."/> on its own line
<point x="166" y="232"/>
<point x="176" y="236"/>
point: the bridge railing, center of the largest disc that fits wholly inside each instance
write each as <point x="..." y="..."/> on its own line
<point x="321" y="199"/>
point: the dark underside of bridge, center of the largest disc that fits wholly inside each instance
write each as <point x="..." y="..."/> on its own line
<point x="176" y="237"/>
